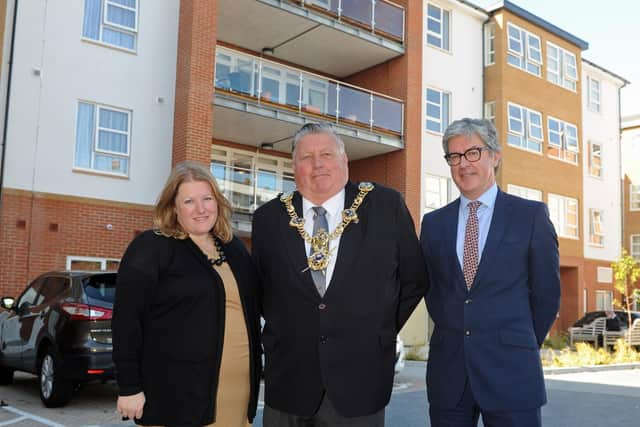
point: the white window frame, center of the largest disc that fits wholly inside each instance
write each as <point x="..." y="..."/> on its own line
<point x="593" y="94"/>
<point x="103" y="261"/>
<point x="95" y="149"/>
<point x="527" y="52"/>
<point x="634" y="197"/>
<point x="634" y="246"/>
<point x="490" y="111"/>
<point x="565" y="72"/>
<point x="526" y="136"/>
<point x="443" y="192"/>
<point x="490" y="44"/>
<point x="445" y="28"/>
<point x="595" y="154"/>
<point x="559" y="207"/>
<point x="607" y="298"/>
<point x="524" y="192"/>
<point x="105" y="23"/>
<point x="596" y="221"/>
<point x="445" y="115"/>
<point x="567" y="142"/>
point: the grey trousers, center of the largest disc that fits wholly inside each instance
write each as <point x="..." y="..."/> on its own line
<point x="327" y="416"/>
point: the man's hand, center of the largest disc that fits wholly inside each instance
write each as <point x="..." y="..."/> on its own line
<point x="131" y="406"/>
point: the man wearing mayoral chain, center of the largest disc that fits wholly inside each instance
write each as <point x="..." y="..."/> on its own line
<point x="341" y="270"/>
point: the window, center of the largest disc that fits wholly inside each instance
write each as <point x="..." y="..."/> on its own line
<point x="593" y="94"/>
<point x="524" y="50"/>
<point x="604" y="275"/>
<point x="490" y="44"/>
<point x="524" y="192"/>
<point x="563" y="140"/>
<point x="596" y="227"/>
<point x="561" y="67"/>
<point x="438" y="192"/>
<point x="525" y="128"/>
<point x="635" y="246"/>
<point x="563" y="212"/>
<point x="595" y="159"/>
<point x="248" y="181"/>
<point x="438" y="27"/>
<point x="490" y="111"/>
<point x="604" y="300"/>
<point x="437" y="110"/>
<point x="113" y="22"/>
<point x="85" y="263"/>
<point x="634" y="197"/>
<point x="103" y="139"/>
<point x="53" y="287"/>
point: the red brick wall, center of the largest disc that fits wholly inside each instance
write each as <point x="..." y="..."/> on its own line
<point x="81" y="231"/>
<point x="193" y="117"/>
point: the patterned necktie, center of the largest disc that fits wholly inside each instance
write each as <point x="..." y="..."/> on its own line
<point x="319" y="223"/>
<point x="470" y="257"/>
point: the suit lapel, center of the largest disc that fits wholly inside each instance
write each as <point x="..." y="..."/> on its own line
<point x="450" y="238"/>
<point x="499" y="223"/>
<point x="350" y="240"/>
<point x="294" y="245"/>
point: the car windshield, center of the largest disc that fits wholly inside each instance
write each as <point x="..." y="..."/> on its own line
<point x="100" y="289"/>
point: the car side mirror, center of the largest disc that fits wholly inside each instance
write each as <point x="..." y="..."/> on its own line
<point x="7" y="302"/>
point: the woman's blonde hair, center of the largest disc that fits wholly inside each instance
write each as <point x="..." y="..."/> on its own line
<point x="164" y="213"/>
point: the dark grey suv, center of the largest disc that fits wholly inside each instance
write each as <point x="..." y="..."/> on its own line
<point x="60" y="330"/>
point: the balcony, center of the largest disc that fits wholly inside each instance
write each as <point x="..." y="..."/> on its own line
<point x="337" y="37"/>
<point x="257" y="100"/>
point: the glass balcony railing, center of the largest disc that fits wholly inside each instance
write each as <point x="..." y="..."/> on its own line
<point x="276" y="84"/>
<point x="377" y="16"/>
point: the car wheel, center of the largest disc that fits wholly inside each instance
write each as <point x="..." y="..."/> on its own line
<point x="54" y="390"/>
<point x="6" y="375"/>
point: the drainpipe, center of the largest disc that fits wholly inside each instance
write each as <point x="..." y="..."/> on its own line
<point x="7" y="100"/>
<point x="624" y="83"/>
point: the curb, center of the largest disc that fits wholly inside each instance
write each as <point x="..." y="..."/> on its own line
<point x="591" y="368"/>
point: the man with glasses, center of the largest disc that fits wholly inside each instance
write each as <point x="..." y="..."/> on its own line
<point x="494" y="291"/>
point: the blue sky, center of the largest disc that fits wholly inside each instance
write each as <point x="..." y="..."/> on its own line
<point x="609" y="28"/>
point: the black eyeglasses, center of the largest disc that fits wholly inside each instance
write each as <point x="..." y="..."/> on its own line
<point x="472" y="155"/>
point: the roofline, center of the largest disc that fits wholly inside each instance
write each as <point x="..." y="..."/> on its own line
<point x="475" y="7"/>
<point x="517" y="10"/>
<point x="624" y="81"/>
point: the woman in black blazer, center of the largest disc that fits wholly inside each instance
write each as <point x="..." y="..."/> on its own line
<point x="186" y="340"/>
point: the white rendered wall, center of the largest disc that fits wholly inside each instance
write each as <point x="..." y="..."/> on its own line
<point x="602" y="193"/>
<point x="42" y="123"/>
<point x="459" y="72"/>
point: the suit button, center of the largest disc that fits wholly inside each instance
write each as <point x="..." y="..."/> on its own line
<point x="322" y="306"/>
<point x="323" y="339"/>
<point x="467" y="333"/>
<point x="468" y="301"/>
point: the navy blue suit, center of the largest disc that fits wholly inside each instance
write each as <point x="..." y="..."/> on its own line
<point x="490" y="335"/>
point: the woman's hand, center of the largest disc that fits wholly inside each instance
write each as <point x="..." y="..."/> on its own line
<point x="131" y="406"/>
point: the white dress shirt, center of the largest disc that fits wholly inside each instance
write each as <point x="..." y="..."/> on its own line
<point x="485" y="213"/>
<point x="334" y="207"/>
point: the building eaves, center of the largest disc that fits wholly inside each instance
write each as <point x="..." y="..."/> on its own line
<point x="473" y="6"/>
<point x="622" y="79"/>
<point x="517" y="10"/>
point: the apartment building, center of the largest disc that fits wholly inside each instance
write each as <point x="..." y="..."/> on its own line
<point x="533" y="92"/>
<point x="631" y="187"/>
<point x="602" y="225"/>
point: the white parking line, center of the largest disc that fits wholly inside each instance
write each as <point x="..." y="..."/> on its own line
<point x="22" y="415"/>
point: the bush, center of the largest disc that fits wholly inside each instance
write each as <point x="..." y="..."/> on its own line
<point x="586" y="355"/>
<point x="556" y="340"/>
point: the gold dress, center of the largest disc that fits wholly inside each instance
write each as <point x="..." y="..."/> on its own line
<point x="234" y="382"/>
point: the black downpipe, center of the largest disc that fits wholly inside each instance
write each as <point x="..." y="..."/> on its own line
<point x="7" y="102"/>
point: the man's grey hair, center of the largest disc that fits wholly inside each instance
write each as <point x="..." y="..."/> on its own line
<point x="313" y="129"/>
<point x="485" y="130"/>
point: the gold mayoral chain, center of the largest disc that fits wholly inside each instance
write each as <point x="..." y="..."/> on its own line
<point x="320" y="253"/>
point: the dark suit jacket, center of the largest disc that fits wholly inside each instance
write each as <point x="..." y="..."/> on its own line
<point x="168" y="327"/>
<point x="343" y="343"/>
<point x="492" y="333"/>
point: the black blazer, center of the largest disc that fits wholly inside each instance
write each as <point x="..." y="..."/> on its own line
<point x="343" y="343"/>
<point x="168" y="327"/>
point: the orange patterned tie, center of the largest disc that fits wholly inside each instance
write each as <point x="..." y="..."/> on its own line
<point x="470" y="257"/>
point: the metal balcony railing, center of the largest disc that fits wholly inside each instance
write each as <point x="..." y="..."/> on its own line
<point x="276" y="84"/>
<point x="378" y="16"/>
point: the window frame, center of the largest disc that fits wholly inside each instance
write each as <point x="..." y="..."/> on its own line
<point x="563" y="67"/>
<point x="593" y="156"/>
<point x="490" y="44"/>
<point x="594" y="91"/>
<point x="524" y="192"/>
<point x="634" y="197"/>
<point x="490" y="111"/>
<point x="634" y="245"/>
<point x="564" y="147"/>
<point x="445" y="184"/>
<point x="608" y="295"/>
<point x="445" y="114"/>
<point x="445" y="28"/>
<point x="596" y="238"/>
<point x="103" y="22"/>
<point x="560" y="222"/>
<point x="102" y="260"/>
<point x="524" y="54"/>
<point x="527" y="139"/>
